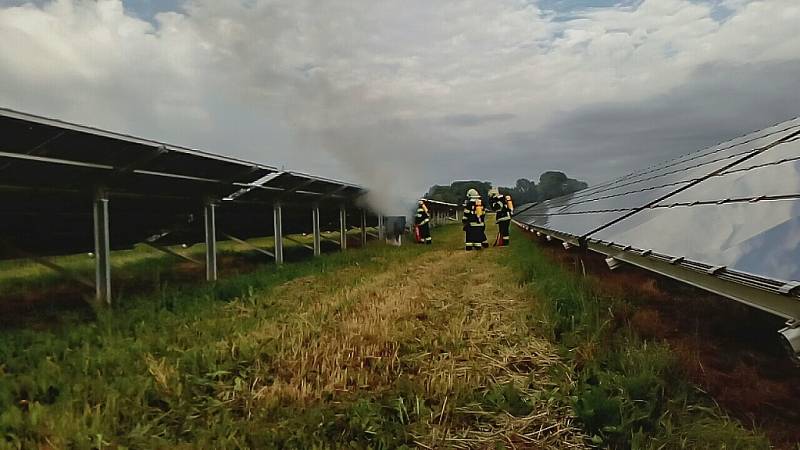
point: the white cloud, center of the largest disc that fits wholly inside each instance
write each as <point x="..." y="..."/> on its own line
<point x="379" y="91"/>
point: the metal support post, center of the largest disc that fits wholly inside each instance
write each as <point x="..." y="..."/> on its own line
<point x="363" y="228"/>
<point x="317" y="234"/>
<point x="102" y="249"/>
<point x="278" y="227"/>
<point x="209" y="213"/>
<point x="343" y="227"/>
<point x="381" y="230"/>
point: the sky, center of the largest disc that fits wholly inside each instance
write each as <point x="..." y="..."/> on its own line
<point x="400" y="95"/>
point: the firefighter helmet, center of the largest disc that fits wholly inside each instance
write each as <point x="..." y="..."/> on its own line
<point x="472" y="193"/>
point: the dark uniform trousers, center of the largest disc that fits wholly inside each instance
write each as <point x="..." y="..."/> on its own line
<point x="423" y="222"/>
<point x="504" y="211"/>
<point x="425" y="233"/>
<point x="503" y="225"/>
<point x="474" y="225"/>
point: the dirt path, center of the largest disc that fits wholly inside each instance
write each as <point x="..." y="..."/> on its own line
<point x="444" y="336"/>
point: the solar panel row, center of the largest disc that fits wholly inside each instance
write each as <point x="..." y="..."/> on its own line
<point x="443" y="212"/>
<point x="61" y="184"/>
<point x="731" y="211"/>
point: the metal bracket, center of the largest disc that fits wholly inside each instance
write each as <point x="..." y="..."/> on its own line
<point x="291" y="239"/>
<point x="50" y="265"/>
<point x="715" y="270"/>
<point x="789" y="287"/>
<point x="248" y="245"/>
<point x="172" y="252"/>
<point x="326" y="238"/>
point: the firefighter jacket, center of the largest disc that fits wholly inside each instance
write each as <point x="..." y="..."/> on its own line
<point x="503" y="206"/>
<point x="474" y="213"/>
<point x="423" y="216"/>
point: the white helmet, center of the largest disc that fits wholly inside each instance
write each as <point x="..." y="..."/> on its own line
<point x="472" y="193"/>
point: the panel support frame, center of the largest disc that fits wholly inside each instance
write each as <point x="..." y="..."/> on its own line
<point x="785" y="306"/>
<point x="277" y="216"/>
<point x="171" y="252"/>
<point x="343" y="227"/>
<point x="317" y="247"/>
<point x="363" y="228"/>
<point x="210" y="220"/>
<point x="102" y="247"/>
<point x="381" y="227"/>
<point x="248" y="245"/>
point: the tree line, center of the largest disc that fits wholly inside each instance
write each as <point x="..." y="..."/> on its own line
<point x="551" y="184"/>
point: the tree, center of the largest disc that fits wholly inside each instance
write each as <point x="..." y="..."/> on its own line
<point x="457" y="191"/>
<point x="551" y="184"/>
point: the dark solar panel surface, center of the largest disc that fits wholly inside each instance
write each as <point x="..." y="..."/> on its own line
<point x="49" y="171"/>
<point x="43" y="137"/>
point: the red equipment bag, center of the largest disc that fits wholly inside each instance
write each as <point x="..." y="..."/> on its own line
<point x="417" y="236"/>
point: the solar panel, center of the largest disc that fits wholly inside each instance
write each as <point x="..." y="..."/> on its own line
<point x="586" y="211"/>
<point x="50" y="170"/>
<point x="58" y="223"/>
<point x="760" y="238"/>
<point x="734" y="147"/>
<point x="776" y="172"/>
<point x="292" y="187"/>
<point x="625" y="202"/>
<point x="692" y="167"/>
<point x="747" y="218"/>
<point x="45" y="153"/>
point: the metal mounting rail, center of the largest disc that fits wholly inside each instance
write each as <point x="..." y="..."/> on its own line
<point x="773" y="296"/>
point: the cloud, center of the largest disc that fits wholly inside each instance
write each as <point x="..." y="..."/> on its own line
<point x="718" y="102"/>
<point x="401" y="95"/>
<point x="473" y="120"/>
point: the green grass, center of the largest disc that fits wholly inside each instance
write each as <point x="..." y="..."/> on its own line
<point x="627" y="392"/>
<point x="182" y="368"/>
<point x="157" y="369"/>
<point x="142" y="263"/>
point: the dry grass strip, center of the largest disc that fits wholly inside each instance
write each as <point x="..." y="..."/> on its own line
<point x="451" y="322"/>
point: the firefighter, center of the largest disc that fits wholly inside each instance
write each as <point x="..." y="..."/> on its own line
<point x="504" y="207"/>
<point x="474" y="222"/>
<point x="422" y="220"/>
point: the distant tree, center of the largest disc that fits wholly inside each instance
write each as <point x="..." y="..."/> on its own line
<point x="523" y="192"/>
<point x="571" y="186"/>
<point x="457" y="191"/>
<point x="551" y="184"/>
<point x="524" y="186"/>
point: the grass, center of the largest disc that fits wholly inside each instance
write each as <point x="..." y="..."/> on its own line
<point x="24" y="275"/>
<point x="158" y="369"/>
<point x="630" y="391"/>
<point x="417" y="346"/>
<point x="381" y="348"/>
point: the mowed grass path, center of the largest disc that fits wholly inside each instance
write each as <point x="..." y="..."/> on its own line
<point x="380" y="348"/>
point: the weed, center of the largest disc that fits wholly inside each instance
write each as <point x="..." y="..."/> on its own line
<point x="630" y="392"/>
